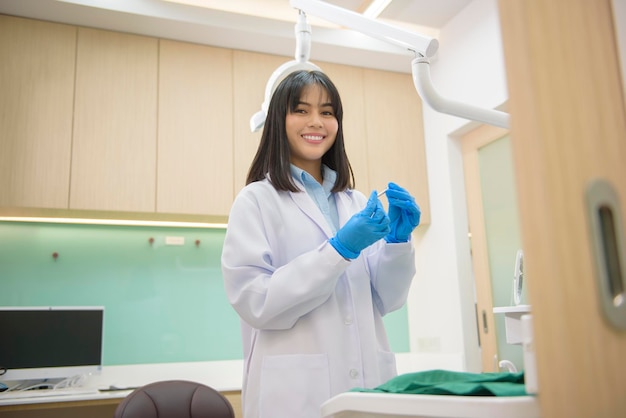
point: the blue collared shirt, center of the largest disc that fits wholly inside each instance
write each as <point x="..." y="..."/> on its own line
<point x="320" y="193"/>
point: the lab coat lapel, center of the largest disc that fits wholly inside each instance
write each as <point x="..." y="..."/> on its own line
<point x="308" y="206"/>
<point x="344" y="203"/>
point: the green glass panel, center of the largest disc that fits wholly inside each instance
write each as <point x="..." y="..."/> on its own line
<point x="503" y="233"/>
<point x="397" y="325"/>
<point x="163" y="303"/>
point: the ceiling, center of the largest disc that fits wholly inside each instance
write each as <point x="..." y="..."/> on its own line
<point x="428" y="13"/>
<point x="265" y="26"/>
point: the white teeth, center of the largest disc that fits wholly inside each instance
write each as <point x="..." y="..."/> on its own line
<point x="313" y="137"/>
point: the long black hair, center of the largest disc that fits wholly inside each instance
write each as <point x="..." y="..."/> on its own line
<point x="273" y="155"/>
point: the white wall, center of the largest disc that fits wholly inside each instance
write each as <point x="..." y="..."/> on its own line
<point x="469" y="68"/>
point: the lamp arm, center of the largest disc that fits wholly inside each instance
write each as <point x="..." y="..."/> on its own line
<point x="425" y="88"/>
<point x="303" y="38"/>
<point x="423" y="45"/>
<point x="301" y="62"/>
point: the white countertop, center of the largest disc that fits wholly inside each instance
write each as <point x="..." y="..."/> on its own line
<point x="6" y="400"/>
<point x="223" y="376"/>
<point x="390" y="405"/>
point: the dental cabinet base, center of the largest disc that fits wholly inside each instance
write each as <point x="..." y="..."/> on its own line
<point x="385" y="405"/>
<point x="98" y="405"/>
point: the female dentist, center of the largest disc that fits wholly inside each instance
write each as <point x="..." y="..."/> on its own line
<point x="311" y="265"/>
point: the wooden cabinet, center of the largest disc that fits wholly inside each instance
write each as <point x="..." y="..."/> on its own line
<point x="250" y="74"/>
<point x="395" y="135"/>
<point x="36" y="105"/>
<point x="102" y="121"/>
<point x="195" y="129"/>
<point x="103" y="406"/>
<point x="115" y="121"/>
<point x="349" y="82"/>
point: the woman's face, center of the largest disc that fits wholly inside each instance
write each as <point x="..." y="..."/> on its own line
<point x="311" y="129"/>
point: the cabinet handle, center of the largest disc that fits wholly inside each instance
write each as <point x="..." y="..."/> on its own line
<point x="609" y="249"/>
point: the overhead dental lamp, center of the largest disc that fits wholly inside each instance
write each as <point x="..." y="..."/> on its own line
<point x="301" y="62"/>
<point x="424" y="48"/>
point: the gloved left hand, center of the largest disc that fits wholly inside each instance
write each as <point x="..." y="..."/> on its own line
<point x="404" y="214"/>
<point x="362" y="229"/>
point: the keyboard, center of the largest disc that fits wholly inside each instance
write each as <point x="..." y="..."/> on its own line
<point x="40" y="393"/>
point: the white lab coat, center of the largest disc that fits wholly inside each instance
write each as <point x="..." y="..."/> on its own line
<point x="311" y="321"/>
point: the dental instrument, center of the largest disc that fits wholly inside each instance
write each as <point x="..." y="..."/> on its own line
<point x="379" y="195"/>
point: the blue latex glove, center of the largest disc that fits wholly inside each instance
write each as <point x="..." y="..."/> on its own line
<point x="403" y="213"/>
<point x="362" y="230"/>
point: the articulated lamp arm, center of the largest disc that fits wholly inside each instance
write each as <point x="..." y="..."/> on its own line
<point x="425" y="88"/>
<point x="424" y="47"/>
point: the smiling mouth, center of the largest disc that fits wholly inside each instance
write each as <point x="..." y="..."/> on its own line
<point x="313" y="138"/>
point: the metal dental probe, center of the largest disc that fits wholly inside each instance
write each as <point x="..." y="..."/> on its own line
<point x="379" y="195"/>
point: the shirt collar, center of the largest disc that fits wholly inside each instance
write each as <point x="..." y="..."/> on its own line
<point x="329" y="177"/>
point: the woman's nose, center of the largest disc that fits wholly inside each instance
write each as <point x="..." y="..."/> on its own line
<point x="315" y="120"/>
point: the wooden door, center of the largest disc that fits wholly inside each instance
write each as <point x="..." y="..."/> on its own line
<point x="470" y="145"/>
<point x="568" y="127"/>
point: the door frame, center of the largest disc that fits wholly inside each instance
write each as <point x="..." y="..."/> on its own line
<point x="471" y="142"/>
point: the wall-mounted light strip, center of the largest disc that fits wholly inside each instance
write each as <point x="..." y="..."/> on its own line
<point x="119" y="222"/>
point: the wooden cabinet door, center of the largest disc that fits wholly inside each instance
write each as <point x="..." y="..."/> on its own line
<point x="250" y="71"/>
<point x="568" y="128"/>
<point x="395" y="135"/>
<point x="115" y="122"/>
<point x="37" y="62"/>
<point x="349" y="82"/>
<point x="195" y="147"/>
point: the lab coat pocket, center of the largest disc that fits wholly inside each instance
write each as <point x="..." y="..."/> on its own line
<point x="294" y="386"/>
<point x="387" y="365"/>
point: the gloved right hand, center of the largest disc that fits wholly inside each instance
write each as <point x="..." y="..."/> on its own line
<point x="362" y="230"/>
